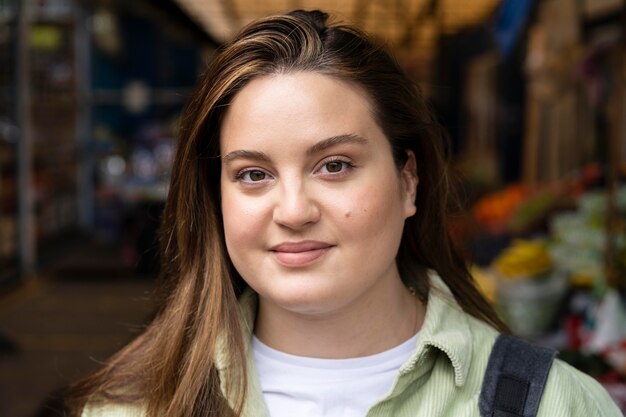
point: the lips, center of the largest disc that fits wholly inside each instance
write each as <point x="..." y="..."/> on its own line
<point x="296" y="254"/>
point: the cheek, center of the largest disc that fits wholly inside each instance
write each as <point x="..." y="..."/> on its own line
<point x="240" y="222"/>
<point x="375" y="210"/>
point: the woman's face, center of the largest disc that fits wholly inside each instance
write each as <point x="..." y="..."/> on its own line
<point x="313" y="203"/>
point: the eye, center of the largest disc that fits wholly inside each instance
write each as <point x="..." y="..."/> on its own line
<point x="251" y="176"/>
<point x="335" y="166"/>
<point x="255" y="175"/>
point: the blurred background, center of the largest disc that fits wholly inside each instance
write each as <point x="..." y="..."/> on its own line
<point x="532" y="93"/>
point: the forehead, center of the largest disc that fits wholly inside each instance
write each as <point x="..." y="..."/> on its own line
<point x="300" y="106"/>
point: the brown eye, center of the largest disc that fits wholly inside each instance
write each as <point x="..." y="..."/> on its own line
<point x="334" y="166"/>
<point x="256" y="175"/>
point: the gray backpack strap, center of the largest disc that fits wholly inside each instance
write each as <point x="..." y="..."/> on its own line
<point x="515" y="377"/>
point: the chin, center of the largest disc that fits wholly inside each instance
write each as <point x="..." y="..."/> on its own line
<point x="309" y="301"/>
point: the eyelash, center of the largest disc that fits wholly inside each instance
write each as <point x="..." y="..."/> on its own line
<point x="347" y="166"/>
<point x="239" y="175"/>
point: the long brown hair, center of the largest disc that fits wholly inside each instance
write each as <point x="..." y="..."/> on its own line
<point x="170" y="368"/>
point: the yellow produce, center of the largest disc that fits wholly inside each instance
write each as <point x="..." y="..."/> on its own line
<point x="524" y="259"/>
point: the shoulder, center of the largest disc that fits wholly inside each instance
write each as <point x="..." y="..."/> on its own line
<point x="113" y="410"/>
<point x="467" y="343"/>
<point x="571" y="393"/>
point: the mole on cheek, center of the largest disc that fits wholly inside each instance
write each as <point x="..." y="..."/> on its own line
<point x="348" y="214"/>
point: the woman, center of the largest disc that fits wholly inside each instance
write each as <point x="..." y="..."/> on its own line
<point x="306" y="264"/>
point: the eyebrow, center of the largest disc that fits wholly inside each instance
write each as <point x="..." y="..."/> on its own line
<point x="244" y="154"/>
<point x="334" y="141"/>
<point x="318" y="147"/>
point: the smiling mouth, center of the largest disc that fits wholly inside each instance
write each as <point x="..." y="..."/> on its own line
<point x="298" y="254"/>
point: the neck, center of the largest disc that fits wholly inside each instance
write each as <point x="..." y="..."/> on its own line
<point x="376" y="321"/>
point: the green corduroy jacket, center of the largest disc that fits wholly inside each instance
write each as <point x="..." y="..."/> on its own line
<point x="443" y="377"/>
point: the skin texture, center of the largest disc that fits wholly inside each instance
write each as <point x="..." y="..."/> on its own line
<point x="314" y="207"/>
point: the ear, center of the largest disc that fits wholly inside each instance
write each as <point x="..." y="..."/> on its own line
<point x="410" y="180"/>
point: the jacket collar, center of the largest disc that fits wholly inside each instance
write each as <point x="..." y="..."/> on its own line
<point x="445" y="328"/>
<point x="254" y="404"/>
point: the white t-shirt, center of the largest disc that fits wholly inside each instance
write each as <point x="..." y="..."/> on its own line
<point x="311" y="387"/>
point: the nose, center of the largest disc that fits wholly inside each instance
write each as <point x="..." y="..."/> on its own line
<point x="296" y="208"/>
